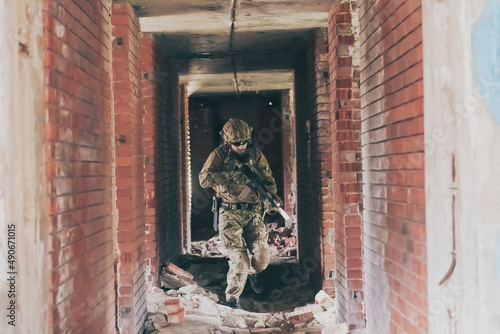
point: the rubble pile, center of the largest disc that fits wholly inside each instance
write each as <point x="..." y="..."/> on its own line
<point x="209" y="248"/>
<point x="282" y="244"/>
<point x="191" y="308"/>
<point x="174" y="277"/>
<point x="282" y="241"/>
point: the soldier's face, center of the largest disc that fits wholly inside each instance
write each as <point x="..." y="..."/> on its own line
<point x="239" y="149"/>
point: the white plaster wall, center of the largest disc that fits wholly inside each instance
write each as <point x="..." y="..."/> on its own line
<point x="460" y="127"/>
<point x="22" y="193"/>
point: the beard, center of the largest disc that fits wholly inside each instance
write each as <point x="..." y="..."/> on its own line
<point x="242" y="157"/>
<point x="241" y="154"/>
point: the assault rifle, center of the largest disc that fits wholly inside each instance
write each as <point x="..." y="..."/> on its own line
<point x="256" y="183"/>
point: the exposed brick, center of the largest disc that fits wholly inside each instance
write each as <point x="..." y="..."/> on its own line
<point x="129" y="169"/>
<point x="78" y="165"/>
<point x="314" y="167"/>
<point x="345" y="144"/>
<point x="177" y="317"/>
<point x="393" y="145"/>
<point x="164" y="155"/>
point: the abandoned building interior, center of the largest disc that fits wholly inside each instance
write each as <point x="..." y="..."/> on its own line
<point x="380" y="120"/>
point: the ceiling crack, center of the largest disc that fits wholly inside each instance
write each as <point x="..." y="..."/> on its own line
<point x="231" y="39"/>
<point x="235" y="77"/>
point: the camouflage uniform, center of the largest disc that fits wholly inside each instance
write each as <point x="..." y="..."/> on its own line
<point x="240" y="229"/>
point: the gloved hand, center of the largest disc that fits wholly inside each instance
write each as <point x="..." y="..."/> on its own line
<point x="269" y="208"/>
<point x="231" y="166"/>
<point x="273" y="211"/>
<point x="221" y="178"/>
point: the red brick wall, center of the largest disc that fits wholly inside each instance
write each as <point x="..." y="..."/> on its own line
<point x="130" y="203"/>
<point x="393" y="161"/>
<point x="314" y="165"/>
<point x="346" y="157"/>
<point x="160" y="102"/>
<point x="149" y="62"/>
<point x="77" y="42"/>
<point x="168" y="161"/>
<point x="185" y="169"/>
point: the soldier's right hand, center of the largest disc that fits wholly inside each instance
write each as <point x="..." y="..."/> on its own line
<point x="231" y="166"/>
<point x="221" y="178"/>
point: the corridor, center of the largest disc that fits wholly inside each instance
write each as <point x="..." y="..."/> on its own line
<point x="379" y="119"/>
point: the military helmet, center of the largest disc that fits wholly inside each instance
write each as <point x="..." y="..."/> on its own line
<point x="236" y="130"/>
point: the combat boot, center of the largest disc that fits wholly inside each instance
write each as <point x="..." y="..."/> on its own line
<point x="256" y="283"/>
<point x="235" y="304"/>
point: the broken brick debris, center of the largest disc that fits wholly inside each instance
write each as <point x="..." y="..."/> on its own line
<point x="323" y="299"/>
<point x="336" y="329"/>
<point x="266" y="330"/>
<point x="209" y="248"/>
<point x="282" y="244"/>
<point x="172" y="305"/>
<point x="174" y="281"/>
<point x="173" y="269"/>
<point x="327" y="318"/>
<point x="272" y="321"/>
<point x="241" y="331"/>
<point x="286" y="326"/>
<point x="163" y="308"/>
<point x="314" y="308"/>
<point x="176" y="317"/>
<point x="170" y="308"/>
<point x="300" y="316"/>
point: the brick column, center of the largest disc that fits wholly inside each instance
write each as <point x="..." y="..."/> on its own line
<point x="78" y="165"/>
<point x="346" y="154"/>
<point x="185" y="169"/>
<point x="130" y="202"/>
<point x="391" y="82"/>
<point x="161" y="100"/>
<point x="314" y="164"/>
<point x="150" y="150"/>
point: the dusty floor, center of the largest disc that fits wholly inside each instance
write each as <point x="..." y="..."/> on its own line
<point x="287" y="285"/>
<point x="198" y="282"/>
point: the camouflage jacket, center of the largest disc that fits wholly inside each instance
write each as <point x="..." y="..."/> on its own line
<point x="230" y="188"/>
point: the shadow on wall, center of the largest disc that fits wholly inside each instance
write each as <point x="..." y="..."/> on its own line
<point x="207" y="116"/>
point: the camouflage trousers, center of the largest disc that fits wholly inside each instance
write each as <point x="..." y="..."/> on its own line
<point x="243" y="232"/>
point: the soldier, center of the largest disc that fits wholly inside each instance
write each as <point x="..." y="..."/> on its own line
<point x="241" y="224"/>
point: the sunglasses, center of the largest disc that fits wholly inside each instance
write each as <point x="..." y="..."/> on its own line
<point x="239" y="143"/>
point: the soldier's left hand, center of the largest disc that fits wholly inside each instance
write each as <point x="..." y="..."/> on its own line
<point x="273" y="211"/>
<point x="269" y="208"/>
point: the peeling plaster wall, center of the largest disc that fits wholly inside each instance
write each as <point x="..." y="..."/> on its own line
<point x="289" y="157"/>
<point x="21" y="164"/>
<point x="462" y="134"/>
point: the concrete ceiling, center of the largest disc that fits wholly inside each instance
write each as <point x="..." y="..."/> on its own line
<point x="232" y="45"/>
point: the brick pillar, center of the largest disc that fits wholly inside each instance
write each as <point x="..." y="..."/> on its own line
<point x="78" y="154"/>
<point x="314" y="164"/>
<point x="130" y="202"/>
<point x="161" y="105"/>
<point x="392" y="113"/>
<point x="185" y="168"/>
<point x="150" y="151"/>
<point x="346" y="154"/>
